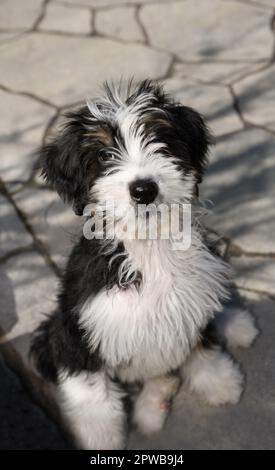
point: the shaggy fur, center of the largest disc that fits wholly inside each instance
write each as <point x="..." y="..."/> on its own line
<point x="134" y="310"/>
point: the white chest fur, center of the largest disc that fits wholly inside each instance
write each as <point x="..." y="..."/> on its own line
<point x="147" y="332"/>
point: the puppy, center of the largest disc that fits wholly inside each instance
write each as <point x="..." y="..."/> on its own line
<point x="135" y="310"/>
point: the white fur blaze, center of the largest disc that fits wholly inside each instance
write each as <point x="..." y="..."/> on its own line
<point x="154" y="328"/>
<point x="152" y="405"/>
<point x="213" y="376"/>
<point x="237" y="327"/>
<point x="92" y="407"/>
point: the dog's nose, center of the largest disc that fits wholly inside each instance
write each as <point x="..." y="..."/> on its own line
<point x="143" y="191"/>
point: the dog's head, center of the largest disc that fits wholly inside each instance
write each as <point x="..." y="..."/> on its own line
<point x="138" y="147"/>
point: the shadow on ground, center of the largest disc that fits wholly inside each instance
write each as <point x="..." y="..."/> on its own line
<point x="26" y="424"/>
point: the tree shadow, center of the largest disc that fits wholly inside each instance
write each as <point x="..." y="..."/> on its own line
<point x="240" y="183"/>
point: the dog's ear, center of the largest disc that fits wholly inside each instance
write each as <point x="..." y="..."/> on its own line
<point x="192" y="136"/>
<point x="64" y="163"/>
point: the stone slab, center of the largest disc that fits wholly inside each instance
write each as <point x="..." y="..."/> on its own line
<point x="240" y="185"/>
<point x="10" y="18"/>
<point x="256" y="273"/>
<point x="256" y="97"/>
<point x="10" y="36"/>
<point x="216" y="72"/>
<point x="210" y="29"/>
<point x="29" y="291"/>
<point x="66" y="20"/>
<point x="20" y="133"/>
<point x="102" y="3"/>
<point x="37" y="55"/>
<point x="13" y="234"/>
<point x="53" y="222"/>
<point x="264" y="3"/>
<point x="213" y="101"/>
<point x="119" y="23"/>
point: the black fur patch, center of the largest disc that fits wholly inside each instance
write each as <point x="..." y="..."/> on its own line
<point x="59" y="343"/>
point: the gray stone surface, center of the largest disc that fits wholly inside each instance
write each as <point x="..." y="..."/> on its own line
<point x="21" y="132"/>
<point x="248" y="425"/>
<point x="13" y="234"/>
<point x="39" y="54"/>
<point x="66" y="20"/>
<point x="256" y="97"/>
<point x="53" y="222"/>
<point x="216" y="72"/>
<point x="9" y="36"/>
<point x="103" y="3"/>
<point x="264" y="3"/>
<point x="240" y="184"/>
<point x="13" y="16"/>
<point x="119" y="23"/>
<point x="213" y="101"/>
<point x="216" y="43"/>
<point x="29" y="290"/>
<point x="256" y="273"/>
<point x="210" y="29"/>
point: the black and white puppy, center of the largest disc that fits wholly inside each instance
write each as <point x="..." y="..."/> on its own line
<point x="135" y="311"/>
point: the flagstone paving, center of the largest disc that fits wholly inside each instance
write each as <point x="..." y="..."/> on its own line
<point x="215" y="55"/>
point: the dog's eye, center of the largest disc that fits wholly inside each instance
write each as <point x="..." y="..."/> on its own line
<point x="105" y="157"/>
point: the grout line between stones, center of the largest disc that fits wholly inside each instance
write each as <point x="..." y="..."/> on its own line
<point x="256" y="291"/>
<point x="247" y="123"/>
<point x="16" y="252"/>
<point x="118" y="5"/>
<point x="141" y="25"/>
<point x="40" y="18"/>
<point x="92" y="21"/>
<point x="236" y="105"/>
<point x="28" y="95"/>
<point x="39" y="245"/>
<point x="235" y="250"/>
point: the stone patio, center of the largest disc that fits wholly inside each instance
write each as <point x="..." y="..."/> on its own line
<point x="215" y="55"/>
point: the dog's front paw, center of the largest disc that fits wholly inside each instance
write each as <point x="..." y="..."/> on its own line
<point x="86" y="438"/>
<point x="153" y="403"/>
<point x="213" y="376"/>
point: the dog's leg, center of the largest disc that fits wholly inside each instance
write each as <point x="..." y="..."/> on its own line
<point x="93" y="408"/>
<point x="153" y="403"/>
<point x="236" y="327"/>
<point x="213" y="375"/>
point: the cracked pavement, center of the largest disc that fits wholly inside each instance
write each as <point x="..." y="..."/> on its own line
<point x="215" y="55"/>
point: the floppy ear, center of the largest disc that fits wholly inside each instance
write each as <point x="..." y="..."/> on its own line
<point x="192" y="135"/>
<point x="64" y="164"/>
